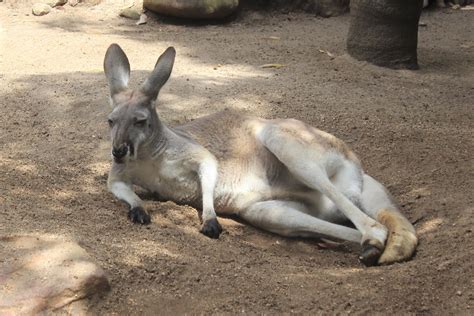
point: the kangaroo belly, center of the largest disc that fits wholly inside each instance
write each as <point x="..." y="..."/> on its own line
<point x="237" y="192"/>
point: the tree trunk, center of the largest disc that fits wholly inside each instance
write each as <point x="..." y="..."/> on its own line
<point x="385" y="32"/>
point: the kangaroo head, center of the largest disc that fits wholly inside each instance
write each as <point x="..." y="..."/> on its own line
<point x="133" y="120"/>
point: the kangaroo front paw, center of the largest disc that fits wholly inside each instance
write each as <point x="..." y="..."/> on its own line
<point x="211" y="228"/>
<point x="373" y="244"/>
<point x="139" y="215"/>
<point x="371" y="253"/>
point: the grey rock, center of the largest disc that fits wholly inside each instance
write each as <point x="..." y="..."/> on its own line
<point x="41" y="274"/>
<point x="194" y="9"/>
<point x="329" y="8"/>
<point x="325" y="8"/>
<point x="54" y="3"/>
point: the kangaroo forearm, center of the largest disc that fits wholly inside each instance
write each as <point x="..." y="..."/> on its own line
<point x="208" y="177"/>
<point x="125" y="193"/>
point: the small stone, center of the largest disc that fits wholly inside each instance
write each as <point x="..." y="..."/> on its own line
<point x="130" y="13"/>
<point x="458" y="293"/>
<point x="54" y="3"/>
<point x="142" y="20"/>
<point x="424" y="309"/>
<point x="40" y="9"/>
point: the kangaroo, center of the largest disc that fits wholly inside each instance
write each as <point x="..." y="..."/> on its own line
<point x="280" y="175"/>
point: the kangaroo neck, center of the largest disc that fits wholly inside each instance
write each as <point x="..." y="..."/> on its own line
<point x="157" y="142"/>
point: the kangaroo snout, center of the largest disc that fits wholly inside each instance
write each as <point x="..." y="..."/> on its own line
<point x="120" y="152"/>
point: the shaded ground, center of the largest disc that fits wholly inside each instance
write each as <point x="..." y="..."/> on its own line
<point x="412" y="130"/>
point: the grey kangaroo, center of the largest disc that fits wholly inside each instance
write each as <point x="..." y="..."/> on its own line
<point x="280" y="175"/>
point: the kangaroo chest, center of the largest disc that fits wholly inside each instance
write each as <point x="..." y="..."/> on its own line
<point x="171" y="179"/>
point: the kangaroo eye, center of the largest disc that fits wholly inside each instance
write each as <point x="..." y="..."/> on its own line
<point x="110" y="122"/>
<point x="140" y="123"/>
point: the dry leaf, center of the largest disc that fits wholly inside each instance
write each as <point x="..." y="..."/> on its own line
<point x="275" y="38"/>
<point x="327" y="53"/>
<point x="328" y="244"/>
<point x="272" y="66"/>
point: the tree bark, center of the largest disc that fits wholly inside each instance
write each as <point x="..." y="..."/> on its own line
<point x="385" y="32"/>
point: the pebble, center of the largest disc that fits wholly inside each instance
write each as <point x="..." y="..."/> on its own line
<point x="130" y="13"/>
<point x="54" y="3"/>
<point x="40" y="9"/>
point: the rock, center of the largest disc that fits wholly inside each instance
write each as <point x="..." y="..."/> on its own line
<point x="131" y="13"/>
<point x="194" y="9"/>
<point x="40" y="9"/>
<point x="54" y="3"/>
<point x="440" y="4"/>
<point x="142" y="20"/>
<point x="329" y="8"/>
<point x="325" y="8"/>
<point x="41" y="274"/>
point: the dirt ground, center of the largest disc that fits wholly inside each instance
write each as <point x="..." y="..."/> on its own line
<point x="413" y="130"/>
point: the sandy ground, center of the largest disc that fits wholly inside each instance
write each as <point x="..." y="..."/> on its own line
<point x="412" y="130"/>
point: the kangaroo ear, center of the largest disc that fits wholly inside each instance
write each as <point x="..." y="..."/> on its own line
<point x="163" y="67"/>
<point x="117" y="69"/>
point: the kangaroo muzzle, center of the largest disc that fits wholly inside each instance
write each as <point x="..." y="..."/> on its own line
<point x="120" y="152"/>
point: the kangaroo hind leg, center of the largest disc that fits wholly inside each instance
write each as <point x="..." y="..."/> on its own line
<point x="288" y="219"/>
<point x="308" y="155"/>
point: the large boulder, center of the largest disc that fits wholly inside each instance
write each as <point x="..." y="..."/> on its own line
<point x="325" y="8"/>
<point x="41" y="274"/>
<point x="193" y="9"/>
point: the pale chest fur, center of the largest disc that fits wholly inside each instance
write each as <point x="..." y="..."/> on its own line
<point x="171" y="179"/>
<point x="237" y="184"/>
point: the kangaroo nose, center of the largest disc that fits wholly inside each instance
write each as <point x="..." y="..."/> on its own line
<point x="119" y="152"/>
